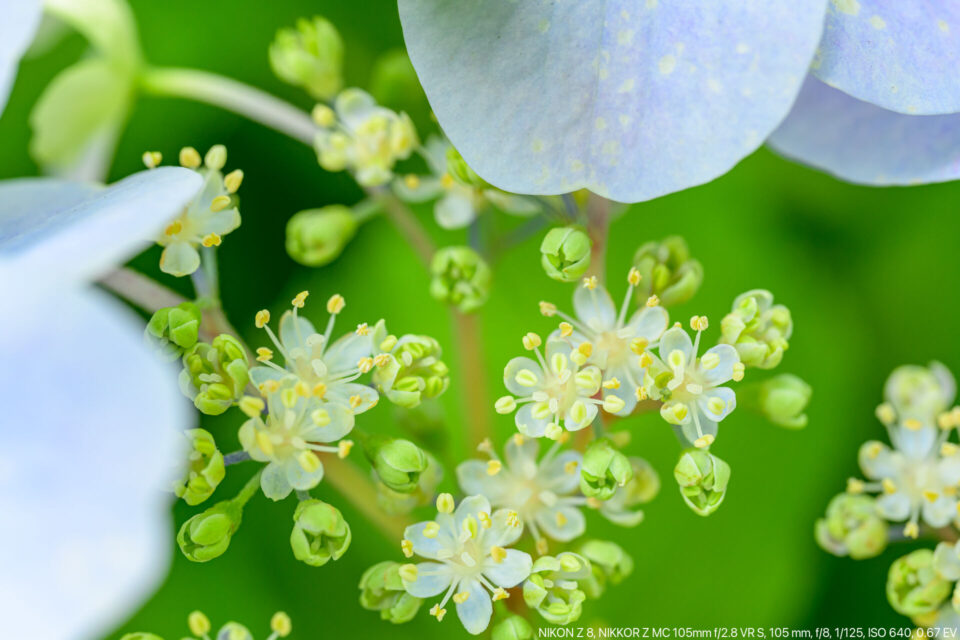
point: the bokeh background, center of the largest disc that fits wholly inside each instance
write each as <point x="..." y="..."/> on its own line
<point x="869" y="275"/>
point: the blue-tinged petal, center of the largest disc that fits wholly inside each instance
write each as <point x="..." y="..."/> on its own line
<point x="561" y="474"/>
<point x="594" y="308"/>
<point x="80" y="557"/>
<point x="301" y="479"/>
<point x="676" y="339"/>
<point x="561" y="522"/>
<point x="894" y="506"/>
<point x="940" y="512"/>
<point x="343" y="392"/>
<point x="347" y="351"/>
<point x="514" y="569"/>
<point x="20" y="21"/>
<point x="274" y="481"/>
<point x="722" y="398"/>
<point x="528" y="424"/>
<point x="260" y="374"/>
<point x="293" y="335"/>
<point x="915" y="443"/>
<point x="722" y="372"/>
<point x="502" y="531"/>
<point x="455" y="209"/>
<point x="631" y="100"/>
<point x="62" y="233"/>
<point x="341" y="422"/>
<point x="521" y="456"/>
<point x="649" y="323"/>
<point x="863" y="143"/>
<point x="474" y="479"/>
<point x="470" y="507"/>
<point x="901" y="56"/>
<point x="433" y="579"/>
<point x="429" y="547"/>
<point x="475" y="611"/>
<point x="514" y="367"/>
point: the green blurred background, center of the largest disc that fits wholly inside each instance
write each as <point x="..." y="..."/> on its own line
<point x="866" y="273"/>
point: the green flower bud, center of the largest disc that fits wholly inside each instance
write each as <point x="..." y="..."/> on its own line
<point x="461" y="278"/>
<point x="554" y="587"/>
<point x="458" y="168"/>
<point x="141" y="636"/>
<point x="173" y="329"/>
<point x="398" y="463"/>
<point x="667" y="271"/>
<point x="319" y="533"/>
<point x="703" y="479"/>
<point x="396" y="503"/>
<point x="604" y="469"/>
<point x="783" y="399"/>
<point x="310" y="56"/>
<point x="758" y="329"/>
<point x="852" y="527"/>
<point x="204" y="471"/>
<point x="381" y="589"/>
<point x="565" y="253"/>
<point x="919" y="392"/>
<point x="609" y="564"/>
<point x="317" y="237"/>
<point x="214" y="375"/>
<point x="640" y="489"/>
<point x="414" y="371"/>
<point x="207" y="535"/>
<point x="913" y="585"/>
<point x="513" y="628"/>
<point x="234" y="631"/>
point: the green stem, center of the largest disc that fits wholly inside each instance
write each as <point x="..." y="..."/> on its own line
<point x="249" y="490"/>
<point x="598" y="227"/>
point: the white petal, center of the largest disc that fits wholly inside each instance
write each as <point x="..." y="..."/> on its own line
<point x="723" y="372"/>
<point x="429" y="547"/>
<point x="293" y="335"/>
<point x="946" y="561"/>
<point x="940" y="512"/>
<point x="513" y="570"/>
<point x="473" y="479"/>
<point x="725" y="394"/>
<point x="346" y="352"/>
<point x="179" y="259"/>
<point x="470" y="507"/>
<point x="630" y="100"/>
<point x="510" y="375"/>
<point x="341" y="422"/>
<point x="877" y="460"/>
<point x="594" y="308"/>
<point x="455" y="209"/>
<point x="432" y="579"/>
<point x="649" y="323"/>
<point x="554" y="475"/>
<point x="676" y="339"/>
<point x="20" y="21"/>
<point x="529" y="425"/>
<point x="574" y="524"/>
<point x="894" y="506"/>
<point x="914" y="443"/>
<point x="274" y="481"/>
<point x="476" y="610"/>
<point x="300" y="479"/>
<point x="343" y="392"/>
<point x="521" y="458"/>
<point x="501" y="533"/>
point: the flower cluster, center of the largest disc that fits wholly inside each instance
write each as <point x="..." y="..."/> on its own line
<point x="200" y="629"/>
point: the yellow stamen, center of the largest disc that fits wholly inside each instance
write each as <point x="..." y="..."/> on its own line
<point x="152" y="159"/>
<point x="653" y="301"/>
<point x="499" y="554"/>
<point x="190" y="158"/>
<point x="323" y="116"/>
<point x="381" y="360"/>
<point x="542" y="546"/>
<point x="518" y="439"/>
<point x="411" y="181"/>
<point x="355" y="401"/>
<point x="365" y="364"/>
<point x="319" y="390"/>
<point x="566" y="329"/>
<point x="343" y="448"/>
<point x="531" y="341"/>
<point x="233" y="180"/>
<point x="494" y="467"/>
<point x="561" y="519"/>
<point x="886" y="414"/>
<point x="220" y="203"/>
<point x="500" y="594"/>
<point x="703" y="441"/>
<point x="645" y="360"/>
<point x="699" y="323"/>
<point x="335" y="304"/>
<point x="320" y="417"/>
<point x="570" y="467"/>
<point x="408" y="572"/>
<point x="437" y="612"/>
<point x="262" y="318"/>
<point x="270" y="386"/>
<point x="889" y="486"/>
<point x="590" y="282"/>
<point x="264" y="354"/>
<point x="913" y="424"/>
<point x="280" y="624"/>
<point x="265" y="444"/>
<point x="911" y="530"/>
<point x="300" y="299"/>
<point x="855" y="486"/>
<point x="407" y="547"/>
<point x="431" y="529"/>
<point x="309" y="461"/>
<point x="211" y="240"/>
<point x="633" y="277"/>
<point x="513" y="518"/>
<point x="639" y="345"/>
<point x="485" y="521"/>
<point x="612" y="383"/>
<point x="198" y="623"/>
<point x="216" y="157"/>
<point x="446" y="181"/>
<point x="363" y="329"/>
<point x="302" y="389"/>
<point x="931" y="496"/>
<point x="738" y="370"/>
<point x="461" y="597"/>
<point x="548" y="309"/>
<point x="173" y="228"/>
<point x="445" y="503"/>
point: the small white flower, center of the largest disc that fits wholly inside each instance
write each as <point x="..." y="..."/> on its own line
<point x="469" y="560"/>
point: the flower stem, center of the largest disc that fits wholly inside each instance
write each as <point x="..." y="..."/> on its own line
<point x="249" y="490"/>
<point x="235" y="458"/>
<point x="476" y="393"/>
<point x="598" y="227"/>
<point x="358" y="488"/>
<point x="406" y="223"/>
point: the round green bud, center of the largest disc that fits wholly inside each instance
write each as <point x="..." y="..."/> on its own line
<point x="461" y="278"/>
<point x="513" y="628"/>
<point x="204" y="471"/>
<point x="381" y="589"/>
<point x="667" y="271"/>
<point x="320" y="533"/>
<point x="758" y="329"/>
<point x="398" y="463"/>
<point x="458" y="168"/>
<point x="309" y="56"/>
<point x="913" y="585"/>
<point x="604" y="469"/>
<point x="215" y="375"/>
<point x="317" y="237"/>
<point x="783" y="400"/>
<point x="565" y="253"/>
<point x="852" y="527"/>
<point x="414" y="372"/>
<point x="207" y="535"/>
<point x="703" y="479"/>
<point x="171" y="330"/>
<point x="396" y="503"/>
<point x="554" y="587"/>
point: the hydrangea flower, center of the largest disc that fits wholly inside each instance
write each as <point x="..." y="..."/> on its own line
<point x="615" y="343"/>
<point x="118" y="547"/>
<point x="468" y="559"/>
<point x="363" y="137"/>
<point x="323" y="373"/>
<point x="690" y="386"/>
<point x="210" y="216"/>
<point x="919" y="475"/>
<point x="462" y="194"/>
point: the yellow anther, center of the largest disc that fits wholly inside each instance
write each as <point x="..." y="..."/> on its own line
<point x="913" y="424"/>
<point x="233" y="180"/>
<point x="323" y="116"/>
<point x="518" y="439"/>
<point x="300" y="299"/>
<point x="612" y="383"/>
<point x="365" y="364"/>
<point x="578" y="412"/>
<point x="173" y="228"/>
<point x="355" y="401"/>
<point x="680" y="412"/>
<point x="320" y="417"/>
<point x="309" y="461"/>
<point x="220" y="203"/>
<point x="408" y="572"/>
<point x="363" y="329"/>
<point x="264" y="354"/>
<point x="494" y="467"/>
<point x="198" y="623"/>
<point x="613" y="404"/>
<point x="542" y="546"/>
<point x="251" y="406"/>
<point x="211" y="240"/>
<point x="653" y="301"/>
<point x="738" y="370"/>
<point x="566" y="329"/>
<point x="152" y="159"/>
<point x="874" y="450"/>
<point x="526" y="378"/>
<point x="564" y="437"/>
<point x="500" y="594"/>
<point x="446" y="181"/>
<point x="445" y="503"/>
<point x="889" y="486"/>
<point x="594" y="503"/>
<point x="699" y="323"/>
<point x="531" y="341"/>
<point x="270" y="386"/>
<point x="561" y="519"/>
<point x="945" y="420"/>
<point x="645" y="360"/>
<point x="302" y="389"/>
<point x="855" y="486"/>
<point x="570" y="467"/>
<point x="513" y="518"/>
<point x="639" y="345"/>
<point x="485" y="520"/>
<point x="470" y="527"/>
<point x="586" y="348"/>
<point x="569" y="563"/>
<point x="634" y="277"/>
<point x="911" y="530"/>
<point x="703" y="441"/>
<point x="262" y="318"/>
<point x="886" y="414"/>
<point x="716" y="405"/>
<point x="590" y="282"/>
<point x="411" y="181"/>
<point x="485" y="446"/>
<point x="381" y="360"/>
<point x="553" y="431"/>
<point x="431" y="529"/>
<point x="709" y="361"/>
<point x="499" y="554"/>
<point x="319" y="390"/>
<point x="407" y="547"/>
<point x="343" y="448"/>
<point x="190" y="158"/>
<point x="216" y="157"/>
<point x="948" y="449"/>
<point x="461" y="597"/>
<point x="280" y="624"/>
<point x="547" y="309"/>
<point x="437" y="612"/>
<point x="641" y="394"/>
<point x="265" y="443"/>
<point x="931" y="496"/>
<point x="336" y="303"/>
